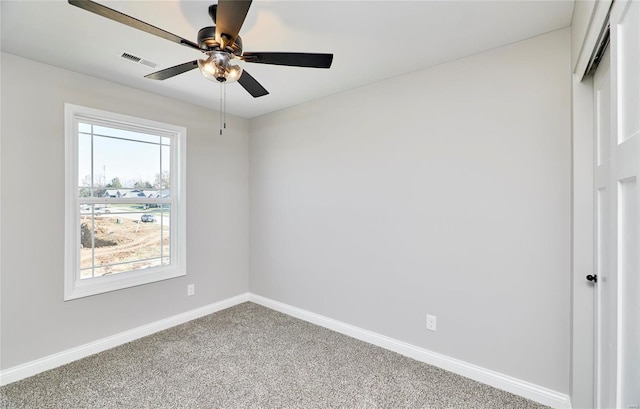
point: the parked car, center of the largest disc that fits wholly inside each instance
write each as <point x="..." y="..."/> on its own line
<point x="147" y="218"/>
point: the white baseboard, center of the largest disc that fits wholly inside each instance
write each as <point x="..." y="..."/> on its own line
<point x="510" y="384"/>
<point x="52" y="361"/>
<point x="507" y="383"/>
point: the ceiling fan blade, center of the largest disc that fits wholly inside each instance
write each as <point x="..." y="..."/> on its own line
<point x="212" y="12"/>
<point x="172" y="71"/>
<point x="312" y="60"/>
<point x="230" y="15"/>
<point x="114" y="15"/>
<point x="252" y="86"/>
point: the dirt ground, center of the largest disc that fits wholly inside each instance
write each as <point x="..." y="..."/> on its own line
<point x="119" y="240"/>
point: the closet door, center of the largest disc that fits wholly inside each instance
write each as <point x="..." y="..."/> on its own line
<point x="625" y="200"/>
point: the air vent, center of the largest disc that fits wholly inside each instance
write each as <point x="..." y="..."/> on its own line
<point x="137" y="59"/>
<point x="131" y="57"/>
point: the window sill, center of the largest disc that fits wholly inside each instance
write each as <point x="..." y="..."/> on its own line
<point x="93" y="286"/>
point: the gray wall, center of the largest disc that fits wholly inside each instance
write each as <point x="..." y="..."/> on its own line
<point x="446" y="191"/>
<point x="35" y="320"/>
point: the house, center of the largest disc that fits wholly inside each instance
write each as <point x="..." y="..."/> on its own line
<point x="136" y="193"/>
<point x="461" y="190"/>
<point x="157" y="194"/>
<point x="114" y="193"/>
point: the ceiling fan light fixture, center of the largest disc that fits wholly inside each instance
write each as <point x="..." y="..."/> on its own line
<point x="218" y="67"/>
<point x="233" y="73"/>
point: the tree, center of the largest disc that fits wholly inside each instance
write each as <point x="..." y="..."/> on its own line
<point x="115" y="183"/>
<point x="86" y="181"/>
<point x="85" y="187"/>
<point x="162" y="181"/>
<point x="140" y="185"/>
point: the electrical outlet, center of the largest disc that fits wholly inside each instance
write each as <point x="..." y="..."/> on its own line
<point x="431" y="322"/>
<point x="191" y="289"/>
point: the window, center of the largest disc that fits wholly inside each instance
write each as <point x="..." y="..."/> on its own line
<point x="125" y="201"/>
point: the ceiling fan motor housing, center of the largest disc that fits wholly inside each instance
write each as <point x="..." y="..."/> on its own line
<point x="207" y="41"/>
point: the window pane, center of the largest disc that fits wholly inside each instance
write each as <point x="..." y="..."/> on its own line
<point x="86" y="237"/>
<point x="86" y="273"/>
<point x="118" y="238"/>
<point x="166" y="170"/>
<point x="82" y="127"/>
<point x="118" y="133"/>
<point x="84" y="192"/>
<point x="165" y="220"/>
<point x="125" y="164"/>
<point x="84" y="163"/>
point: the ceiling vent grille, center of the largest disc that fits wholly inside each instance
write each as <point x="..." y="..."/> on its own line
<point x="138" y="60"/>
<point x="130" y="57"/>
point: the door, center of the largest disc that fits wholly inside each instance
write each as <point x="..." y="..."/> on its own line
<point x="625" y="170"/>
<point x="604" y="313"/>
<point x="617" y="202"/>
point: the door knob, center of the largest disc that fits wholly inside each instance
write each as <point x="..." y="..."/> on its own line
<point x="593" y="278"/>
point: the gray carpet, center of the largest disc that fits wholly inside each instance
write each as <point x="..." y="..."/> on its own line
<point x="249" y="356"/>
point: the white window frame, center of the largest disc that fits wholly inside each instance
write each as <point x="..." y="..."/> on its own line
<point x="74" y="287"/>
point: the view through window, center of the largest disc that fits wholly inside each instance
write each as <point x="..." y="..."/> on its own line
<point x="124" y="192"/>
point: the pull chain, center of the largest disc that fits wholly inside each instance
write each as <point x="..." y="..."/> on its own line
<point x="221" y="112"/>
<point x="225" y="105"/>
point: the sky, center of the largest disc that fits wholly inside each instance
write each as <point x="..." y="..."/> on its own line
<point x="129" y="156"/>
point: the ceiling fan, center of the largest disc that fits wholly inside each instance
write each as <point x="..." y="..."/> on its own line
<point x="221" y="44"/>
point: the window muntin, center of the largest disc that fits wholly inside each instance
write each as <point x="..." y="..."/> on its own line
<point x="125" y="201"/>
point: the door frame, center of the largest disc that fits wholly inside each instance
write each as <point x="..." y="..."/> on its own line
<point x="583" y="295"/>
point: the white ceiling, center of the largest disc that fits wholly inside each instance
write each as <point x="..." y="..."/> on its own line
<point x="371" y="41"/>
